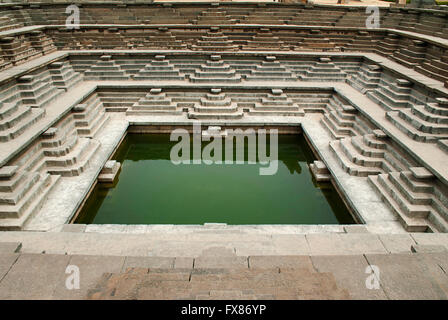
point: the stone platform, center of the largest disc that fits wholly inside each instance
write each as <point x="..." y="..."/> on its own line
<point x="216" y="272"/>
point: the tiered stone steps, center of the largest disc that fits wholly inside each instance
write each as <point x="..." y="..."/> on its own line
<point x="366" y="79"/>
<point x="159" y="69"/>
<point x="388" y="45"/>
<point x="4" y="64"/>
<point x="17" y="49"/>
<point x="269" y="16"/>
<point x="214" y="40"/>
<point x="215" y="105"/>
<point x="315" y="40"/>
<point x="218" y="284"/>
<point x="426" y="123"/>
<point x="106" y="69"/>
<point x="215" y="70"/>
<point x="390" y="95"/>
<point x="276" y="103"/>
<point x="37" y="89"/>
<point x="41" y="42"/>
<point x="163" y="38"/>
<point x="59" y="151"/>
<point x="89" y="116"/>
<point x="22" y="194"/>
<point x="364" y="41"/>
<point x="63" y="75"/>
<point x="270" y="70"/>
<point x="323" y="70"/>
<point x="265" y="40"/>
<point x="114" y="101"/>
<point x="16" y="118"/>
<point x="72" y="154"/>
<point x="435" y="68"/>
<point x="343" y="120"/>
<point x="8" y="23"/>
<point x="311" y="102"/>
<point x="212" y="16"/>
<point x="317" y="18"/>
<point x="412" y="55"/>
<point x="415" y="197"/>
<point x="371" y="154"/>
<point x="155" y="102"/>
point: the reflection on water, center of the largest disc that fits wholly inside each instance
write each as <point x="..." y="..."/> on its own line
<point x="152" y="190"/>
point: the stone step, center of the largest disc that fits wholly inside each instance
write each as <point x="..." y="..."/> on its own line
<point x="410" y="130"/>
<point x="22" y="126"/>
<point x="416" y="118"/>
<point x="29" y="206"/>
<point x="350" y="167"/>
<point x="216" y="116"/>
<point x="411" y="224"/>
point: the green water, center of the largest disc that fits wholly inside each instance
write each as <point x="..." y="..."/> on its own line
<point x="152" y="190"/>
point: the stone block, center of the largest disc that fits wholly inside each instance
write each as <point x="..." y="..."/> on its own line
<point x="420" y="248"/>
<point x="34" y="276"/>
<point x="403" y="83"/>
<point x="220" y="262"/>
<point x="407" y="276"/>
<point x="397" y="243"/>
<point x="356" y="228"/>
<point x="73" y="228"/>
<point x="443" y="102"/>
<point x="80" y="107"/>
<point x="148" y="262"/>
<point x="109" y="172"/>
<point x="421" y="173"/>
<point x="7" y="172"/>
<point x="155" y="91"/>
<point x="379" y="134"/>
<point x="349" y="273"/>
<point x="50" y="132"/>
<point x="269" y="262"/>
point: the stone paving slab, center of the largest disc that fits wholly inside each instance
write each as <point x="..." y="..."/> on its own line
<point x="431" y="239"/>
<point x="6" y="263"/>
<point x="407" y="276"/>
<point x="220" y="262"/>
<point x="350" y="274"/>
<point x="10" y="247"/>
<point x="160" y="245"/>
<point x="345" y="244"/>
<point x="269" y="262"/>
<point x="148" y="262"/>
<point x="34" y="276"/>
<point x="397" y="243"/>
<point x="91" y="269"/>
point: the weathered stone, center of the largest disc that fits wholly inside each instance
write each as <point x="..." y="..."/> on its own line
<point x="7" y="172"/>
<point x="421" y="173"/>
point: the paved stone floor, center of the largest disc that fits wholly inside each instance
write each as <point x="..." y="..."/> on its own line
<point x="220" y="274"/>
<point x="326" y="268"/>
